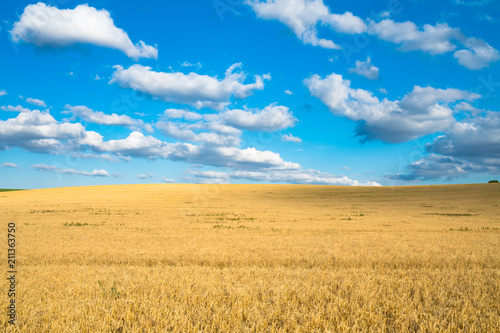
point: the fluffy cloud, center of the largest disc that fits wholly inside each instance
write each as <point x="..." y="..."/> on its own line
<point x="423" y="111"/>
<point x="471" y="145"/>
<point x="168" y="180"/>
<point x="474" y="139"/>
<point x="478" y="54"/>
<point x="438" y="39"/>
<point x="290" y="138"/>
<point x="207" y="177"/>
<point x="184" y="132"/>
<point x="53" y="168"/>
<point x="288" y="92"/>
<point x="37" y="102"/>
<point x="18" y="108"/>
<point x="366" y="69"/>
<point x="192" y="89"/>
<point x="182" y="114"/>
<point x="9" y="165"/>
<point x="273" y="176"/>
<point x="272" y="118"/>
<point x="302" y="16"/>
<point x="436" y="167"/>
<point x="39" y="131"/>
<point x="224" y="128"/>
<point x="146" y="176"/>
<point x="432" y="39"/>
<point x="44" y="25"/>
<point x="98" y="117"/>
<point x="3" y="93"/>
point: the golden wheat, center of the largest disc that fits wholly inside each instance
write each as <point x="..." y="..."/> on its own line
<point x="255" y="258"/>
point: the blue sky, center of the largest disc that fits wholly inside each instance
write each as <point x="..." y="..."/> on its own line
<point x="228" y="91"/>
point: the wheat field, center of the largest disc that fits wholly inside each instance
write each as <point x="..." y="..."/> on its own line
<point x="255" y="258"/>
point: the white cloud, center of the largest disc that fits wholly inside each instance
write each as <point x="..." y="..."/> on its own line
<point x="44" y="25"/>
<point x="18" y="108"/>
<point x="302" y="17"/>
<point x="469" y="146"/>
<point x="104" y="157"/>
<point x="436" y="167"/>
<point x="478" y="54"/>
<point x="299" y="177"/>
<point x="9" y="165"/>
<point x="423" y="111"/>
<point x="432" y="39"/>
<point x="53" y="168"/>
<point x="474" y="139"/>
<point x="192" y="89"/>
<point x="182" y="114"/>
<point x="437" y="39"/>
<point x="366" y="69"/>
<point x="288" y="92"/>
<point x="98" y="117"/>
<point x="345" y="168"/>
<point x="188" y="64"/>
<point x="35" y="101"/>
<point x="146" y="176"/>
<point x="290" y="138"/>
<point x="39" y="131"/>
<point x="273" y="117"/>
<point x="184" y="132"/>
<point x="383" y="91"/>
<point x="3" y="93"/>
<point x="168" y="180"/>
<point x="207" y="177"/>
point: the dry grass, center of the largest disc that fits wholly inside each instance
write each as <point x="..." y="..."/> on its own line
<point x="256" y="258"/>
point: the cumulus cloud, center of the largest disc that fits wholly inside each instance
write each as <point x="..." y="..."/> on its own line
<point x="101" y="118"/>
<point x="471" y="145"/>
<point x="193" y="89"/>
<point x="366" y="69"/>
<point x="288" y="92"/>
<point x="38" y="131"/>
<point x="301" y="176"/>
<point x="478" y="54"/>
<point x="47" y="26"/>
<point x="37" y="102"/>
<point x="423" y="111"/>
<point x="290" y="138"/>
<point x="188" y="64"/>
<point x="53" y="168"/>
<point x="224" y="128"/>
<point x="168" y="180"/>
<point x="146" y="176"/>
<point x="207" y="177"/>
<point x="432" y="39"/>
<point x="473" y="139"/>
<point x="302" y="17"/>
<point x="437" y="39"/>
<point x="9" y="165"/>
<point x="186" y="132"/>
<point x="18" y="108"/>
<point x="3" y="93"/>
<point x="272" y="118"/>
<point x="182" y="114"/>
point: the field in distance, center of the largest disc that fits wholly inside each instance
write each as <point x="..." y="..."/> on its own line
<point x="255" y="258"/>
